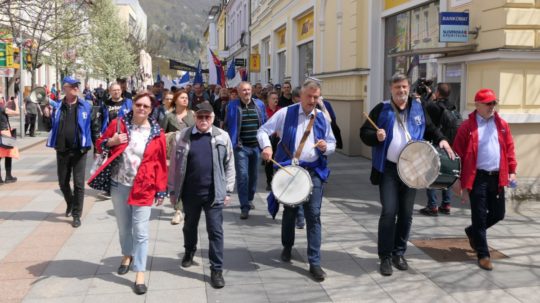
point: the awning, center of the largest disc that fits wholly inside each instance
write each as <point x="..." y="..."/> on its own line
<point x="176" y="65"/>
<point x="449" y="50"/>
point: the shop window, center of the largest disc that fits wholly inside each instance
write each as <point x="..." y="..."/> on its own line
<point x="305" y="59"/>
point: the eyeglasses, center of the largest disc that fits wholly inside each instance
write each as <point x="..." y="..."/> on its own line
<point x="203" y="117"/>
<point x="492" y="103"/>
<point x="140" y="105"/>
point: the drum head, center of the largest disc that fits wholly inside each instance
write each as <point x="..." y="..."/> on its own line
<point x="418" y="164"/>
<point x="292" y="185"/>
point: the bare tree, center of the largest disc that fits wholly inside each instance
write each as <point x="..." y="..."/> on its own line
<point x="41" y="24"/>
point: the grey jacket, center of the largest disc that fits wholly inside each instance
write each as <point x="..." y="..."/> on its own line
<point x="222" y="159"/>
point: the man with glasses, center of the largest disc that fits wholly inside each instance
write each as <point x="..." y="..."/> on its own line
<point x="243" y="118"/>
<point x="201" y="176"/>
<point x="488" y="164"/>
<point x="115" y="106"/>
<point x="71" y="137"/>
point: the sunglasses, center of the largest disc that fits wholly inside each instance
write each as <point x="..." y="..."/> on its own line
<point x="492" y="103"/>
<point x="203" y="117"/>
<point x="140" y="105"/>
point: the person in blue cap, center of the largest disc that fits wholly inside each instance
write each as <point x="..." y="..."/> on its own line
<point x="71" y="138"/>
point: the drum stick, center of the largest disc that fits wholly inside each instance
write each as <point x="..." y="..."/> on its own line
<point x="371" y="121"/>
<point x="279" y="165"/>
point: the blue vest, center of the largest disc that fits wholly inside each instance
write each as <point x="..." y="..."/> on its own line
<point x="416" y="125"/>
<point x="84" y="111"/>
<point x="234" y="118"/>
<point x="289" y="137"/>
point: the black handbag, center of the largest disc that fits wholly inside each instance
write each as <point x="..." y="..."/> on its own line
<point x="8" y="142"/>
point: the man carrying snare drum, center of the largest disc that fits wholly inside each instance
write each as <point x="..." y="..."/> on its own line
<point x="398" y="121"/>
<point x="306" y="134"/>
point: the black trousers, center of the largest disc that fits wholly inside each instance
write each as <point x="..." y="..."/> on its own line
<point x="30" y="123"/>
<point x="193" y="206"/>
<point x="72" y="162"/>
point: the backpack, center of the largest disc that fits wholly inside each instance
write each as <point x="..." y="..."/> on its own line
<point x="450" y="121"/>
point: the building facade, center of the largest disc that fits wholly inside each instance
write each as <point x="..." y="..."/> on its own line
<point x="236" y="36"/>
<point x="132" y="14"/>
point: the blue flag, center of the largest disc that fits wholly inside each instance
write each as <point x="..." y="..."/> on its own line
<point x="231" y="71"/>
<point x="198" y="75"/>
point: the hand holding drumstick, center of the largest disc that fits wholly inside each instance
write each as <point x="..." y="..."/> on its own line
<point x="381" y="133"/>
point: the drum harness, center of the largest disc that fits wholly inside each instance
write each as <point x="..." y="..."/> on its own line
<point x="400" y="121"/>
<point x="296" y="159"/>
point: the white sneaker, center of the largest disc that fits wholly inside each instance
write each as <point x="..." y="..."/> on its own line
<point x="177" y="218"/>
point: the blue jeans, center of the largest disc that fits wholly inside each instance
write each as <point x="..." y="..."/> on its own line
<point x="132" y="225"/>
<point x="397" y="199"/>
<point x="312" y="210"/>
<point x="193" y="206"/>
<point x="246" y="161"/>
<point x="432" y="197"/>
<point x="487" y="208"/>
<point x="300" y="218"/>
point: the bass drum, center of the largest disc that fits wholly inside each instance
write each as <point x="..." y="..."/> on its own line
<point x="420" y="165"/>
<point x="292" y="185"/>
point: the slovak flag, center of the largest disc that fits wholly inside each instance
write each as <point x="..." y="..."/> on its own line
<point x="215" y="69"/>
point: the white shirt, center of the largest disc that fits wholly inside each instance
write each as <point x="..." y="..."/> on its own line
<point x="196" y="130"/>
<point x="276" y="124"/>
<point x="131" y="158"/>
<point x="489" y="150"/>
<point x="399" y="140"/>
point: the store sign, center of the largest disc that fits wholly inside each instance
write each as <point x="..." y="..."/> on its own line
<point x="254" y="63"/>
<point x="7" y="72"/>
<point x="453" y="27"/>
<point x="388" y="4"/>
<point x="305" y="26"/>
<point x="240" y="62"/>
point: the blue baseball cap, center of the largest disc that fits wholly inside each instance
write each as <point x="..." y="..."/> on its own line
<point x="71" y="81"/>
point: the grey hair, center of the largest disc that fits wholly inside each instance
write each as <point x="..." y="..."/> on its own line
<point x="398" y="77"/>
<point x="309" y="83"/>
<point x="242" y="84"/>
<point x="113" y="84"/>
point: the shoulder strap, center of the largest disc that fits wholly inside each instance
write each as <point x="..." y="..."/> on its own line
<point x="400" y="121"/>
<point x="305" y="136"/>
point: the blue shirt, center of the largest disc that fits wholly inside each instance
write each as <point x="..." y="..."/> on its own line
<point x="489" y="152"/>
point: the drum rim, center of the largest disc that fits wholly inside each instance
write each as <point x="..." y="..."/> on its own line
<point x="301" y="170"/>
<point x="399" y="157"/>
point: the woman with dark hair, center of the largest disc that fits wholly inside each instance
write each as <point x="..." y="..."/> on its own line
<point x="5" y="130"/>
<point x="179" y="118"/>
<point x="136" y="173"/>
<point x="271" y="100"/>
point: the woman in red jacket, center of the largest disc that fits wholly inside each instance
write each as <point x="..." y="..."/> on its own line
<point x="136" y="171"/>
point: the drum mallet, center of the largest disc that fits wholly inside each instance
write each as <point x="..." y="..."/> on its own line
<point x="371" y="121"/>
<point x="279" y="165"/>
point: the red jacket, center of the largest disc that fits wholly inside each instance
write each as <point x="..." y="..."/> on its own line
<point x="151" y="179"/>
<point x="466" y="146"/>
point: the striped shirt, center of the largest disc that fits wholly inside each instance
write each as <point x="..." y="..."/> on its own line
<point x="250" y="124"/>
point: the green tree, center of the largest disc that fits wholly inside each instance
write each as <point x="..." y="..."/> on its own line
<point x="109" y="53"/>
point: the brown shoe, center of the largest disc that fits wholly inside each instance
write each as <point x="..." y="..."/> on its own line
<point x="485" y="263"/>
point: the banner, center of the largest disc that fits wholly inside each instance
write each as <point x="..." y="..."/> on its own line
<point x="254" y="63"/>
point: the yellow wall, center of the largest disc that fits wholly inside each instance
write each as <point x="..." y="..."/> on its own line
<point x="526" y="138"/>
<point x="517" y="84"/>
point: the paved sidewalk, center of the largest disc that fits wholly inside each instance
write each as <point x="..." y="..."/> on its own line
<point x="43" y="259"/>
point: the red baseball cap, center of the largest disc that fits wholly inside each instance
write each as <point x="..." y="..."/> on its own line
<point x="485" y="95"/>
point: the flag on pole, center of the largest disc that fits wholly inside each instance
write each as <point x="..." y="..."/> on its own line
<point x="244" y="74"/>
<point x="198" y="75"/>
<point x="231" y="71"/>
<point x="215" y="70"/>
<point x="184" y="80"/>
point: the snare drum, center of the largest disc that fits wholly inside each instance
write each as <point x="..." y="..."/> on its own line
<point x="292" y="185"/>
<point x="420" y="165"/>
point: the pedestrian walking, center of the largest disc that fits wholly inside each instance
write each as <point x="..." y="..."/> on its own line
<point x="243" y="118"/>
<point x="271" y="108"/>
<point x="398" y="120"/>
<point x="286" y="99"/>
<point x="486" y="147"/>
<point x="31" y="109"/>
<point x="201" y="177"/>
<point x="136" y="174"/>
<point x="8" y="154"/>
<point x="446" y="117"/>
<point x="71" y="137"/>
<point x="306" y="134"/>
<point x="181" y="117"/>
